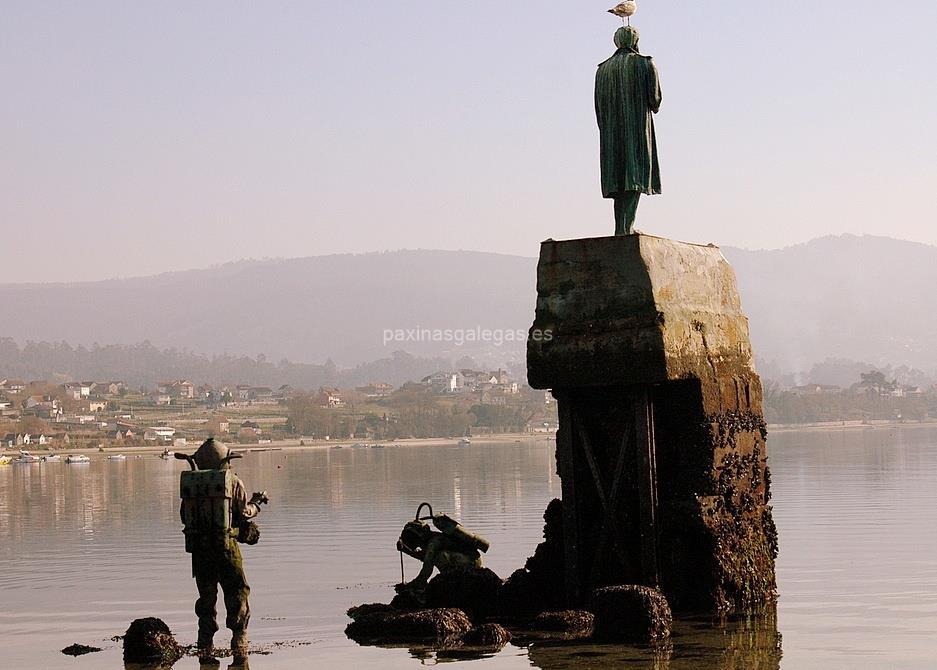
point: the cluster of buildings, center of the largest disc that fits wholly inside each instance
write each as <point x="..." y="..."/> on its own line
<point x="471" y="381"/>
<point x="90" y="412"/>
<point x="889" y="390"/>
<point x="179" y="391"/>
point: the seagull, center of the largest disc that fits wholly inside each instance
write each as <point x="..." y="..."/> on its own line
<point x="624" y="10"/>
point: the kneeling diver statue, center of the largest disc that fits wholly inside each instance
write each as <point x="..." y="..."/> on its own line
<point x="216" y="515"/>
<point x="451" y="549"/>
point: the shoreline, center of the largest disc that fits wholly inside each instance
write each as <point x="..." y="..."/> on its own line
<point x="292" y="444"/>
<point x="826" y="426"/>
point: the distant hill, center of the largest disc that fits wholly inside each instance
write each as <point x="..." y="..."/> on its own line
<point x="863" y="298"/>
<point x="305" y="310"/>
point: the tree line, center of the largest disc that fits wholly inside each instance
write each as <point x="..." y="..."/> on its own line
<point x="144" y="365"/>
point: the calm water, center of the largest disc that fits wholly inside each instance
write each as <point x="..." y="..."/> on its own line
<point x="86" y="549"/>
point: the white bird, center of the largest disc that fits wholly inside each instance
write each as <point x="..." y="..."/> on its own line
<point x="624" y="10"/>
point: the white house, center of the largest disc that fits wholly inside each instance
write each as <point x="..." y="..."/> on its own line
<point x="79" y="390"/>
<point x="159" y="434"/>
<point x="445" y="382"/>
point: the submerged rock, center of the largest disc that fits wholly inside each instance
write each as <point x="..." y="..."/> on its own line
<point x="79" y="650"/>
<point x="489" y="636"/>
<point x="475" y="591"/>
<point x="521" y="597"/>
<point x="369" y="609"/>
<point x="540" y="585"/>
<point x="407" y="602"/>
<point x="631" y="614"/>
<point x="570" y="622"/>
<point x="429" y="626"/>
<point x="150" y="640"/>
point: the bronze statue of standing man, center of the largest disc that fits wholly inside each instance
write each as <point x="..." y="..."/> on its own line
<point x="627" y="95"/>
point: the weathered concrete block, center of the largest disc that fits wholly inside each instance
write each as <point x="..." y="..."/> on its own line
<point x="636" y="309"/>
<point x="631" y="614"/>
<point x="661" y="447"/>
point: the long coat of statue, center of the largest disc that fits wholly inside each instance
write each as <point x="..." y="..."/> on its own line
<point x="627" y="95"/>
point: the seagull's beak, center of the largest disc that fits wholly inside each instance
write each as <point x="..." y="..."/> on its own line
<point x="611" y="11"/>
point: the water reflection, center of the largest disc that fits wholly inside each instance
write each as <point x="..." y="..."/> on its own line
<point x="241" y="663"/>
<point x="85" y="550"/>
<point x="698" y="644"/>
<point x="433" y="656"/>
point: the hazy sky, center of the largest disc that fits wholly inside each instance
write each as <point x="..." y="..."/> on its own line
<point x="144" y="137"/>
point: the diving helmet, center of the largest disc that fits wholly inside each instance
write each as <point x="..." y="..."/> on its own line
<point x="415" y="534"/>
<point x="212" y="455"/>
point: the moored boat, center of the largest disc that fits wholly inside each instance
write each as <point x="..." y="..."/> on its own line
<point x="117" y="457"/>
<point x="77" y="458"/>
<point x="5" y="460"/>
<point x="51" y="458"/>
<point x="465" y="442"/>
<point x="167" y="455"/>
<point x="26" y="457"/>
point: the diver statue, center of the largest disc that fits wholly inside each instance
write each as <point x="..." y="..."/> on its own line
<point x="453" y="548"/>
<point x="216" y="516"/>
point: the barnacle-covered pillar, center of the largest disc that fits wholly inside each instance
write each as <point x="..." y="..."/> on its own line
<point x="661" y="446"/>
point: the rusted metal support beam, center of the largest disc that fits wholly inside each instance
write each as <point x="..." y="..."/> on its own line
<point x="616" y="517"/>
<point x="611" y="523"/>
<point x="647" y="486"/>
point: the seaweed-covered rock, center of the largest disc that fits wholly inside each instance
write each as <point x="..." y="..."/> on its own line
<point x="430" y="626"/>
<point x="150" y="640"/>
<point x="547" y="565"/>
<point x="406" y="601"/>
<point x="541" y="585"/>
<point x="79" y="650"/>
<point x="489" y="636"/>
<point x="368" y="609"/>
<point x="631" y="614"/>
<point x="572" y="622"/>
<point x="475" y="591"/>
<point x="520" y="596"/>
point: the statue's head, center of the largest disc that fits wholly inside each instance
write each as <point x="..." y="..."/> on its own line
<point x="416" y="535"/>
<point x="626" y="37"/>
<point x="211" y="455"/>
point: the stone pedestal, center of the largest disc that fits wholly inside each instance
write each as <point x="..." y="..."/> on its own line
<point x="661" y="446"/>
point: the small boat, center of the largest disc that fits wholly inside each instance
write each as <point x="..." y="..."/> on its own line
<point x="359" y="445"/>
<point x="167" y="455"/>
<point x="117" y="457"/>
<point x="465" y="442"/>
<point x="5" y="460"/>
<point x="377" y="446"/>
<point x="77" y="458"/>
<point x="26" y="457"/>
<point x="51" y="458"/>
